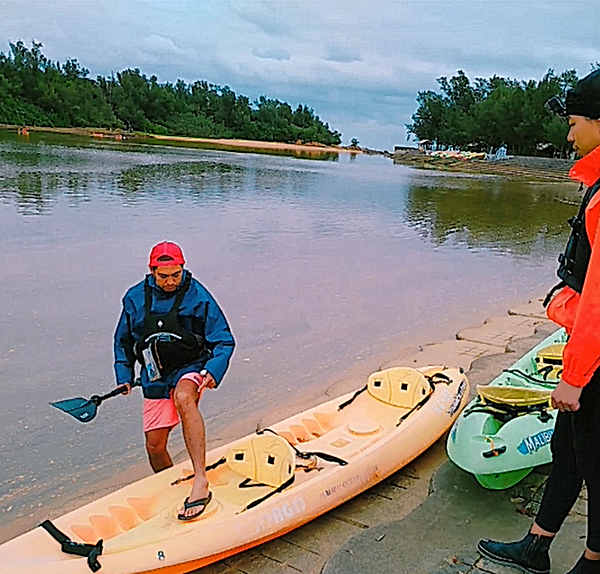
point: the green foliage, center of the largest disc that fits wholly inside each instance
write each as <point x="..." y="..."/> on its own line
<point x="493" y="112"/>
<point x="36" y="91"/>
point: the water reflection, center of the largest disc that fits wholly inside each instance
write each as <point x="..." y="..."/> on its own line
<point x="314" y="154"/>
<point x="30" y="192"/>
<point x="137" y="172"/>
<point x="187" y="178"/>
<point x="36" y="191"/>
<point x="477" y="212"/>
<point x="506" y="215"/>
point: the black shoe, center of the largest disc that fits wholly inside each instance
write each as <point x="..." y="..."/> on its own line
<point x="585" y="566"/>
<point x="529" y="555"/>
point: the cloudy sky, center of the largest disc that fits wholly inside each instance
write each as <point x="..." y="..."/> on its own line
<point x="358" y="63"/>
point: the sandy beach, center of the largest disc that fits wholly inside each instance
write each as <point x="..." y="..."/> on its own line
<point x="226" y="144"/>
<point x="256" y="145"/>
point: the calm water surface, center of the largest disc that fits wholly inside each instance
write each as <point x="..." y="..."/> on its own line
<point x="325" y="269"/>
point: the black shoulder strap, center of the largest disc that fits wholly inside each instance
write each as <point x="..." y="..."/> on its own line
<point x="178" y="300"/>
<point x="182" y="291"/>
<point x="147" y="296"/>
<point x="576" y="223"/>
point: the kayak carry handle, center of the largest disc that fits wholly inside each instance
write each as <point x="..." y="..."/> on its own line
<point x="494" y="452"/>
<point x="68" y="546"/>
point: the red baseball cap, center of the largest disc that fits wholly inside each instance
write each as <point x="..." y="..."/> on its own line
<point x="166" y="253"/>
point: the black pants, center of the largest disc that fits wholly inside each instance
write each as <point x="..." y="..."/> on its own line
<point x="576" y="459"/>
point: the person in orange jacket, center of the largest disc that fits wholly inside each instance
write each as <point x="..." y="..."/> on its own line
<point x="576" y="307"/>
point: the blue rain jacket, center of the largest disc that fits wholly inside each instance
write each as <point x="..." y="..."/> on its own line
<point x="199" y="313"/>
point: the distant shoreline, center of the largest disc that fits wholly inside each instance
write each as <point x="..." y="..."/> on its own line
<point x="229" y="144"/>
<point x="530" y="168"/>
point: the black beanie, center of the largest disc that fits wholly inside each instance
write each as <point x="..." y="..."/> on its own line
<point x="584" y="99"/>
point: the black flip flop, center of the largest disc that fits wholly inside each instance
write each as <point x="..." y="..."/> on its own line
<point x="201" y="504"/>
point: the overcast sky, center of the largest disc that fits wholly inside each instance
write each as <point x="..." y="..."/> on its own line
<point x="358" y="63"/>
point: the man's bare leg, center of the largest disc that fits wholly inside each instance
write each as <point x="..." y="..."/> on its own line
<point x="156" y="447"/>
<point x="186" y="401"/>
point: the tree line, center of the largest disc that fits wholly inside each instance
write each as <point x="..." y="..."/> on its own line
<point x="493" y="112"/>
<point x="36" y="91"/>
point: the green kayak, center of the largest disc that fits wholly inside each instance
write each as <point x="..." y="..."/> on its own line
<point x="505" y="431"/>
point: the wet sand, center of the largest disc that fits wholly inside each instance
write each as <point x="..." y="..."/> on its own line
<point x="227" y="144"/>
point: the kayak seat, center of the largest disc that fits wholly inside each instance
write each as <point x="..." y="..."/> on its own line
<point x="266" y="459"/>
<point x="513" y="396"/>
<point x="401" y="387"/>
<point x="549" y="361"/>
<point x="505" y="403"/>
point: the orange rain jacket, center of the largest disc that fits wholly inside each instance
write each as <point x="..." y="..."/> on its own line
<point x="579" y="313"/>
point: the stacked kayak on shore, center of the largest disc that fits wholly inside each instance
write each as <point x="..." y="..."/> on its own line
<point x="505" y="432"/>
<point x="262" y="485"/>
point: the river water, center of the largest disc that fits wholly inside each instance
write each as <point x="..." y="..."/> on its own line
<point x="325" y="269"/>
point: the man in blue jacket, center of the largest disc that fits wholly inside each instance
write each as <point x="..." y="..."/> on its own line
<point x="175" y="329"/>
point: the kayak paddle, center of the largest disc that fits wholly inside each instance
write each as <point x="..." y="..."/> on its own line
<point x="84" y="410"/>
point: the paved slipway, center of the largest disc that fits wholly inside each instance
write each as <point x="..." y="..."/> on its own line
<point x="428" y="517"/>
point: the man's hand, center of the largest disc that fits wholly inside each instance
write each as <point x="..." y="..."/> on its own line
<point x="209" y="382"/>
<point x="566" y="397"/>
<point x="128" y="387"/>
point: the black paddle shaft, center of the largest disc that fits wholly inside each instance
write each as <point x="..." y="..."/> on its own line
<point x="97" y="399"/>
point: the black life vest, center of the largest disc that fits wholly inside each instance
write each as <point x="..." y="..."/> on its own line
<point x="576" y="258"/>
<point x="172" y="346"/>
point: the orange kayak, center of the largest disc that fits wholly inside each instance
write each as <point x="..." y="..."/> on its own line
<point x="263" y="485"/>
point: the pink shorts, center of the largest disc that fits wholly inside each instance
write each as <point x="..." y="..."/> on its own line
<point x="161" y="413"/>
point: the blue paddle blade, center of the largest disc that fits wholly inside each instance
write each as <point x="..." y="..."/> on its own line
<point x="83" y="410"/>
